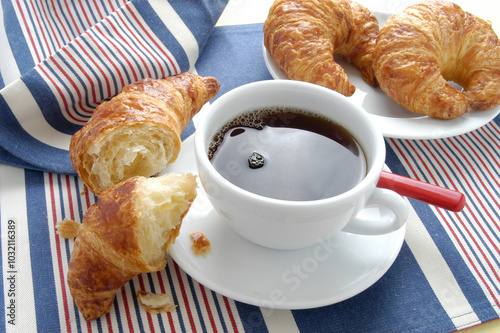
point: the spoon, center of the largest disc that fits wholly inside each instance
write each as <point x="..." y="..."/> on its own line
<point x="425" y="192"/>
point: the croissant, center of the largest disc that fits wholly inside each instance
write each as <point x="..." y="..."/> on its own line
<point x="137" y="132"/>
<point x="126" y="232"/>
<point x="303" y="36"/>
<point x="430" y="43"/>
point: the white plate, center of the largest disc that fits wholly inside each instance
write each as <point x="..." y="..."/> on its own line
<point x="393" y="120"/>
<point x="323" y="274"/>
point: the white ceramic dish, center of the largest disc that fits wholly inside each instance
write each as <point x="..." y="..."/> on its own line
<point x="323" y="274"/>
<point x="393" y="120"/>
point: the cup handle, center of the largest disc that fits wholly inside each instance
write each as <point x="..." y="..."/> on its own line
<point x="384" y="212"/>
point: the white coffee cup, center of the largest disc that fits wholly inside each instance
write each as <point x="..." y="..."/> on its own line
<point x="283" y="224"/>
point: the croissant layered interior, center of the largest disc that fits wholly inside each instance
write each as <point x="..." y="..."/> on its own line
<point x="125" y="233"/>
<point x="138" y="131"/>
<point x="124" y="154"/>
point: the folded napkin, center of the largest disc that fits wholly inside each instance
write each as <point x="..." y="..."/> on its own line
<point x="71" y="55"/>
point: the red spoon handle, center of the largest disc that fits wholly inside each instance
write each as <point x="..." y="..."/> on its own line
<point x="425" y="192"/>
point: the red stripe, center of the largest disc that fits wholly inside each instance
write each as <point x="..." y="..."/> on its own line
<point x="72" y="82"/>
<point x="154" y="42"/>
<point x="39" y="27"/>
<point x="60" y="94"/>
<point x="185" y="298"/>
<point x="84" y="11"/>
<point x="476" y="195"/>
<point x="28" y="31"/>
<point x="145" y="47"/>
<point x="62" y="276"/>
<point x="464" y="250"/>
<point x="89" y="80"/>
<point x="47" y="19"/>
<point x="230" y="314"/>
<point x="70" y="14"/>
<point x="117" y="71"/>
<point x="109" y="323"/>
<point x="127" y="310"/>
<point x="97" y="66"/>
<point x="162" y="289"/>
<point x="70" y="198"/>
<point x="117" y="47"/>
<point x="148" y="315"/>
<point x="207" y="307"/>
<point x="138" y="40"/>
<point x="61" y="23"/>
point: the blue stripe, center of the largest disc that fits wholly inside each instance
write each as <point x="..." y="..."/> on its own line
<point x="196" y="302"/>
<point x="197" y="17"/>
<point x="165" y="36"/>
<point x="43" y="22"/>
<point x="47" y="102"/>
<point x="459" y="268"/>
<point x="170" y="280"/>
<point x="136" y="307"/>
<point x="35" y="153"/>
<point x="149" y="44"/>
<point x="135" y="46"/>
<point x="219" y="310"/>
<point x="59" y="32"/>
<point x="82" y="58"/>
<point x="63" y="82"/>
<point x="41" y="255"/>
<point x="90" y="46"/>
<point x="252" y="319"/>
<point x="401" y="301"/>
<point x="454" y="221"/>
<point x="72" y="33"/>
<point x="17" y="42"/>
<point x="36" y="34"/>
<point x="113" y="53"/>
<point x="159" y="317"/>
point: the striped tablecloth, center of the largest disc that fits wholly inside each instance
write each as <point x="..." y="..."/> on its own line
<point x="446" y="276"/>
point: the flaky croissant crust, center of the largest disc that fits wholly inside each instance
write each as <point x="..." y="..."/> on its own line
<point x="138" y="131"/>
<point x="303" y="36"/>
<point x="111" y="246"/>
<point x="430" y="43"/>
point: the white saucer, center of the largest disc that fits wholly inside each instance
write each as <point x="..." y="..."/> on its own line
<point x="323" y="274"/>
<point x="393" y="120"/>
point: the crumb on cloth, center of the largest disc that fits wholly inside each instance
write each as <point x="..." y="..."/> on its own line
<point x="155" y="303"/>
<point x="67" y="228"/>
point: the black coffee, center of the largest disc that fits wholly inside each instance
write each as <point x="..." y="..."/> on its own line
<point x="296" y="155"/>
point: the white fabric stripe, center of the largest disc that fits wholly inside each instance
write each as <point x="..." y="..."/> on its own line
<point x="13" y="204"/>
<point x="461" y="233"/>
<point x="8" y="69"/>
<point x="174" y="23"/>
<point x="30" y="117"/>
<point x="437" y="273"/>
<point x="478" y="237"/>
<point x="55" y="207"/>
<point x="279" y="320"/>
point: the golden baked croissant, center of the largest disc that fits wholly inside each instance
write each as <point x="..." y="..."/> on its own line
<point x="126" y="232"/>
<point x="137" y="132"/>
<point x="302" y="37"/>
<point x="430" y="43"/>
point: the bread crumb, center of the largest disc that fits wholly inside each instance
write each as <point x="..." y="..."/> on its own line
<point x="67" y="228"/>
<point x="201" y="244"/>
<point x="155" y="303"/>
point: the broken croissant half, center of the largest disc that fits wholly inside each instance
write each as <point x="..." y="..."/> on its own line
<point x="137" y="132"/>
<point x="126" y="232"/>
